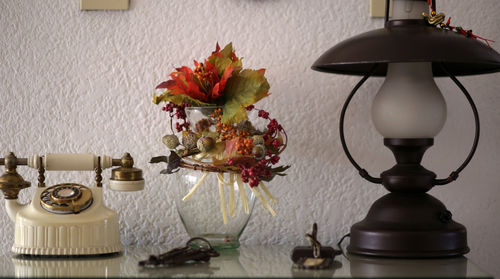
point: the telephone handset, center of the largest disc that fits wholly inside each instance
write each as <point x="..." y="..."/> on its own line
<point x="68" y="218"/>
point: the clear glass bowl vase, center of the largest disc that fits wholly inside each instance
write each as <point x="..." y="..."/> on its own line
<point x="201" y="213"/>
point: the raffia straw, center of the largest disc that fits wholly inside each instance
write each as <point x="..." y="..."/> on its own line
<point x="222" y="199"/>
<point x="263" y="201"/>
<point x="221" y="177"/>
<point x="201" y="156"/>
<point x="268" y="194"/>
<point x="232" y="207"/>
<point x="242" y="193"/>
<point x="195" y="187"/>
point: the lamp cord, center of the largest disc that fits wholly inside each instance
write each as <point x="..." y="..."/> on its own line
<point x="387" y="9"/>
<point x="362" y="172"/>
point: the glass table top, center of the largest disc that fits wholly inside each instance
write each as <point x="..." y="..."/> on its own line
<point x="245" y="262"/>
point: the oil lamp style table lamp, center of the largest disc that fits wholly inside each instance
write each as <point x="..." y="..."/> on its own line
<point x="66" y="219"/>
<point x="409" y="111"/>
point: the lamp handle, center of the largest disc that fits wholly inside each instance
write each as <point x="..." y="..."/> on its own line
<point x="362" y="172"/>
<point x="454" y="174"/>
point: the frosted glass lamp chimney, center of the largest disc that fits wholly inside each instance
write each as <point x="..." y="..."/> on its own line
<point x="409" y="104"/>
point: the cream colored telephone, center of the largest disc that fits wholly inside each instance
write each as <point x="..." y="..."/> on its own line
<point x="69" y="218"/>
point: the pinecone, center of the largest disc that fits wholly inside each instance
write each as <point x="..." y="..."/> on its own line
<point x="189" y="140"/>
<point x="171" y="141"/>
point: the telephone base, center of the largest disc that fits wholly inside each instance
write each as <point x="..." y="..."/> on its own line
<point x="93" y="231"/>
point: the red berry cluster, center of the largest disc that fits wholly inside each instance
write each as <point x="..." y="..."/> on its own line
<point x="273" y="127"/>
<point x="254" y="174"/>
<point x="180" y="113"/>
<point x="274" y="159"/>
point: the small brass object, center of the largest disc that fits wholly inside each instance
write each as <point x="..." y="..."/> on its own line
<point x="98" y="173"/>
<point x="434" y="19"/>
<point x="313" y="262"/>
<point x="11" y="183"/>
<point x="126" y="171"/>
<point x="314" y="256"/>
<point x="41" y="174"/>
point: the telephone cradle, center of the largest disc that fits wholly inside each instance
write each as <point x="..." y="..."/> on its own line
<point x="66" y="219"/>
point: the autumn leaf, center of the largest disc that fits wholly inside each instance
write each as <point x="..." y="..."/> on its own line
<point x="177" y="99"/>
<point x="221" y="81"/>
<point x="243" y="89"/>
<point x="183" y="83"/>
<point x="225" y="58"/>
<point x="218" y="89"/>
<point x="162" y="85"/>
<point x="227" y="51"/>
<point x="230" y="148"/>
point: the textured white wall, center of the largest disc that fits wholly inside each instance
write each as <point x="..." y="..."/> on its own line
<point x="75" y="81"/>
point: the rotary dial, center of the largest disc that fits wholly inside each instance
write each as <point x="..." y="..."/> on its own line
<point x="66" y="198"/>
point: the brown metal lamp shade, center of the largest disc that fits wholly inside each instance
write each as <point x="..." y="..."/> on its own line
<point x="408" y="222"/>
<point x="409" y="41"/>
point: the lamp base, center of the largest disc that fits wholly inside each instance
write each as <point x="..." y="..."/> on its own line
<point x="408" y="225"/>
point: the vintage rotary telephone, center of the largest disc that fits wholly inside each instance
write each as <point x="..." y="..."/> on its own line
<point x="69" y="218"/>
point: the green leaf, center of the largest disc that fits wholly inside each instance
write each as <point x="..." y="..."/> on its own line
<point x="280" y="169"/>
<point x="224" y="54"/>
<point x="178" y="99"/>
<point x="227" y="51"/>
<point x="243" y="89"/>
<point x="221" y="64"/>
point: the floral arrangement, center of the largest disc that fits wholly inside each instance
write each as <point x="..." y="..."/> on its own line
<point x="225" y="140"/>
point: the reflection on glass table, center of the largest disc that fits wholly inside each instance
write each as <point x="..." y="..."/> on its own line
<point x="246" y="262"/>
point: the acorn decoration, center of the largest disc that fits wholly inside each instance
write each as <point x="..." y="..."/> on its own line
<point x="259" y="151"/>
<point x="205" y="144"/>
<point x="258" y="140"/>
<point x="171" y="141"/>
<point x="189" y="140"/>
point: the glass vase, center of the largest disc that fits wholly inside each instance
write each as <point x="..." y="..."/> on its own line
<point x="201" y="213"/>
<point x="220" y="208"/>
